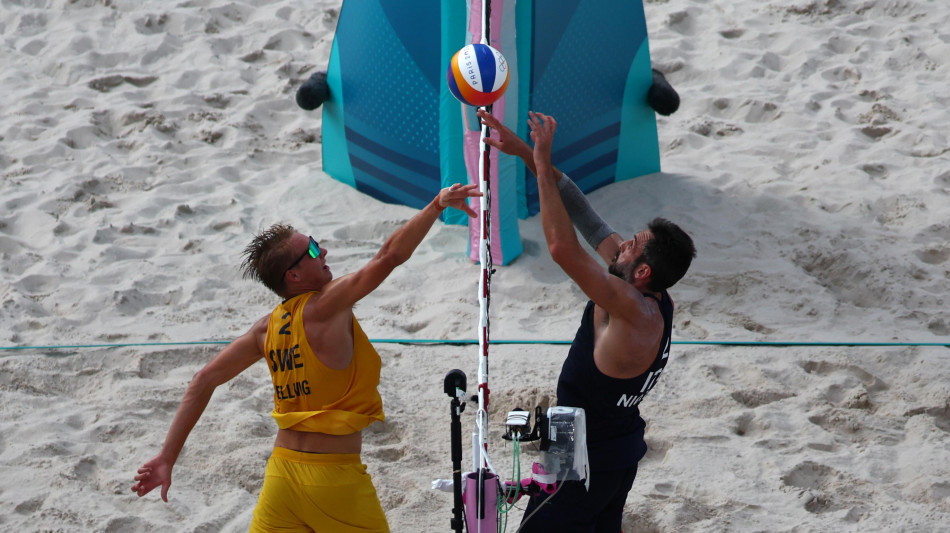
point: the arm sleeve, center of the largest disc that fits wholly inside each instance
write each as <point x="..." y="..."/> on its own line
<point x="593" y="228"/>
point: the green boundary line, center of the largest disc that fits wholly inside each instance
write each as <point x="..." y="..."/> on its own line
<point x="497" y="342"/>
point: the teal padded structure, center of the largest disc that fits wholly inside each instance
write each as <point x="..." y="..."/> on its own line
<point x="392" y="130"/>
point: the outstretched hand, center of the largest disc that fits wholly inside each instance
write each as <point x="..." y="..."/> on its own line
<point x="157" y="471"/>
<point x="542" y="133"/>
<point x="456" y="195"/>
<point x="508" y="141"/>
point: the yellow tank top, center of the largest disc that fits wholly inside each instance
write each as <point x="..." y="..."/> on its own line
<point x="308" y="395"/>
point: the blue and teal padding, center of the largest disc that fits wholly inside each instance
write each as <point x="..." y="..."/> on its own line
<point x="590" y="68"/>
<point x="381" y="130"/>
<point x="392" y="129"/>
<point x="451" y="125"/>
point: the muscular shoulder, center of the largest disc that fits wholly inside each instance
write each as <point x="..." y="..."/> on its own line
<point x="258" y="331"/>
<point x="642" y="320"/>
<point x="627" y="343"/>
<point x="329" y="334"/>
<point x="260" y="326"/>
<point x="322" y="310"/>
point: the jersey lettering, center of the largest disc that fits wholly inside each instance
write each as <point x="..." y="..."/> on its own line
<point x="285" y="329"/>
<point x="285" y="360"/>
<point x="292" y="390"/>
<point x="631" y="401"/>
<point x="634" y="400"/>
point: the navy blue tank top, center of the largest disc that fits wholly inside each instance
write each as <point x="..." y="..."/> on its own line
<point x="611" y="405"/>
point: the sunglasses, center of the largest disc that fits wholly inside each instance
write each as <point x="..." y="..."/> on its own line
<point x="313" y="250"/>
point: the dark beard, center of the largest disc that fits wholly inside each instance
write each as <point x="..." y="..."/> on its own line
<point x="619" y="271"/>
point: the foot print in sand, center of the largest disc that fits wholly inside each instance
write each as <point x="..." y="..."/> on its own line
<point x="757" y="397"/>
<point x="385" y="441"/>
<point x="825" y="489"/>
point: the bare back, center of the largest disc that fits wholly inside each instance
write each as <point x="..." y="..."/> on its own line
<point x="331" y="337"/>
<point x="623" y="348"/>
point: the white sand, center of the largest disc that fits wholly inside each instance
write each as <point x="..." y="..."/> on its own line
<point x="142" y="143"/>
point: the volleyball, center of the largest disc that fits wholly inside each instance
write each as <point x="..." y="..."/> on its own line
<point x="477" y="75"/>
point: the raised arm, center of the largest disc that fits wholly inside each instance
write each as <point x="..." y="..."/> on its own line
<point x="598" y="234"/>
<point x="342" y="293"/>
<point x="231" y="361"/>
<point x="608" y="291"/>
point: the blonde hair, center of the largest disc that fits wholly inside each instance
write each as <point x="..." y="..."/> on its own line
<point x="267" y="256"/>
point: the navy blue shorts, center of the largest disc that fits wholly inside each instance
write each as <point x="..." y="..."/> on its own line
<point x="573" y="509"/>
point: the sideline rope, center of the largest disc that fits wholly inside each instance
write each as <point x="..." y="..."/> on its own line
<point x="460" y="342"/>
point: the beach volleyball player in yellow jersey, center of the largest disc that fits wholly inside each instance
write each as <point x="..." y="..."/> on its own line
<point x="325" y="373"/>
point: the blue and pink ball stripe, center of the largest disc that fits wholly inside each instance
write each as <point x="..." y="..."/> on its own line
<point x="477" y="75"/>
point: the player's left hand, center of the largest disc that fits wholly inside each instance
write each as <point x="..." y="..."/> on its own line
<point x="456" y="195"/>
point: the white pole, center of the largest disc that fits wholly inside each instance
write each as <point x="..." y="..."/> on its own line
<point x="484" y="293"/>
<point x="484" y="256"/>
<point x="484" y="244"/>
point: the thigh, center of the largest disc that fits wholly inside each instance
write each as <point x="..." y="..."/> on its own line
<point x="276" y="504"/>
<point x="611" y="515"/>
<point x="564" y="511"/>
<point x="343" y="499"/>
<point x="300" y="497"/>
<point x="575" y="509"/>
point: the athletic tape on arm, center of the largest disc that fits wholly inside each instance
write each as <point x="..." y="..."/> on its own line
<point x="585" y="219"/>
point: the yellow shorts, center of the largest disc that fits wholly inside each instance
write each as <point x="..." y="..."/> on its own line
<point x="324" y="492"/>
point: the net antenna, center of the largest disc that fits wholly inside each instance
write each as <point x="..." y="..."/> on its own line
<point x="485" y="511"/>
